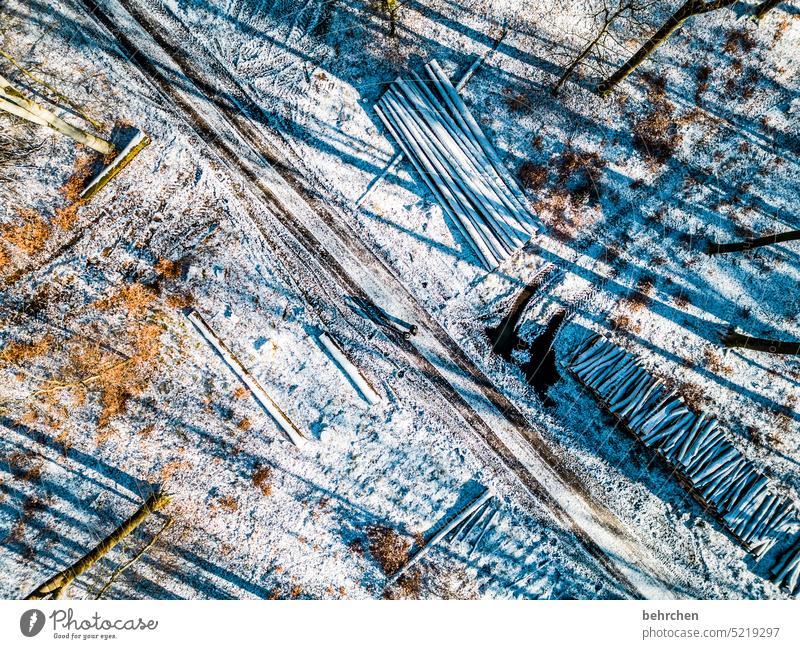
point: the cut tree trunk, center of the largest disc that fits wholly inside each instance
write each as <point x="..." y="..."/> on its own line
<point x="735" y="339"/>
<point x="748" y="244"/>
<point x="55" y="586"/>
<point x="687" y="10"/>
<point x="764" y="8"/>
<point x="33" y="112"/>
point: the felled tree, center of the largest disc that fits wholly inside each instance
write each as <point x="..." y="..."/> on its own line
<point x="715" y="248"/>
<point x="54" y="587"/>
<point x="766" y="6"/>
<point x="13" y="101"/>
<point x="687" y="10"/>
<point x="733" y="338"/>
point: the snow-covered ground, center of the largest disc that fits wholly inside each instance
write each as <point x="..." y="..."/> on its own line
<point x="700" y="143"/>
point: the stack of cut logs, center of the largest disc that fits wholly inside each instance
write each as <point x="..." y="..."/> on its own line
<point x="436" y="131"/>
<point x="718" y="473"/>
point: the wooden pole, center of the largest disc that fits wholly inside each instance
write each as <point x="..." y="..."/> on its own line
<point x="256" y="389"/>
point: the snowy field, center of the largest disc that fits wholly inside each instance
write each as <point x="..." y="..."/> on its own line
<point x="107" y="392"/>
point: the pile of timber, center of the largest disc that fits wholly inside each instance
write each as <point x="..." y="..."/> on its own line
<point x="477" y="516"/>
<point x="786" y="571"/>
<point x="715" y="471"/>
<point x="436" y="131"/>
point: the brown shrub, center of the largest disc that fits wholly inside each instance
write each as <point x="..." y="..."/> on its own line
<point x="656" y="135"/>
<point x="92" y="368"/>
<point x="692" y="396"/>
<point x="168" y="268"/>
<point x="739" y="40"/>
<point x="262" y="479"/>
<point x="532" y="176"/>
<point x="580" y="174"/>
<point x="388" y="548"/>
<point x="518" y="102"/>
<point x="703" y="75"/>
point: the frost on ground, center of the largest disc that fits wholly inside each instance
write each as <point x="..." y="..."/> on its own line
<point x="107" y="391"/>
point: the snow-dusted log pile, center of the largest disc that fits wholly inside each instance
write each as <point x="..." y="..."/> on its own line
<point x="436" y="131"/>
<point x="786" y="571"/>
<point x="718" y="474"/>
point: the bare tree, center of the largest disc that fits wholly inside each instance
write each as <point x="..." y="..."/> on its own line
<point x="748" y="244"/>
<point x="391" y="7"/>
<point x="734" y="339"/>
<point x="610" y="12"/>
<point x="687" y="10"/>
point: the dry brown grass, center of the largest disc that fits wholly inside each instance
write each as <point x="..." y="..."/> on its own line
<point x="134" y="298"/>
<point x="168" y="268"/>
<point x="228" y="503"/>
<point x="30" y="235"/>
<point x="532" y="176"/>
<point x="656" y="135"/>
<point x="693" y="396"/>
<point x="18" y="353"/>
<point x="93" y="369"/>
<point x="713" y="361"/>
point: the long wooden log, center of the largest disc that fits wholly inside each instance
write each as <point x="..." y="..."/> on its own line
<point x="407" y="149"/>
<point x="470" y="169"/>
<point x="715" y="248"/>
<point x="350" y="370"/>
<point x="11" y="94"/>
<point x="256" y="389"/>
<point x="55" y="586"/>
<point x="712" y="467"/>
<point x="473" y="197"/>
<point x="468" y="147"/>
<point x="448" y="173"/>
<point x="488" y="149"/>
<point x="427" y="167"/>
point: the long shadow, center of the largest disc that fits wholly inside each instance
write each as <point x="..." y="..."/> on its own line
<point x="112" y="473"/>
